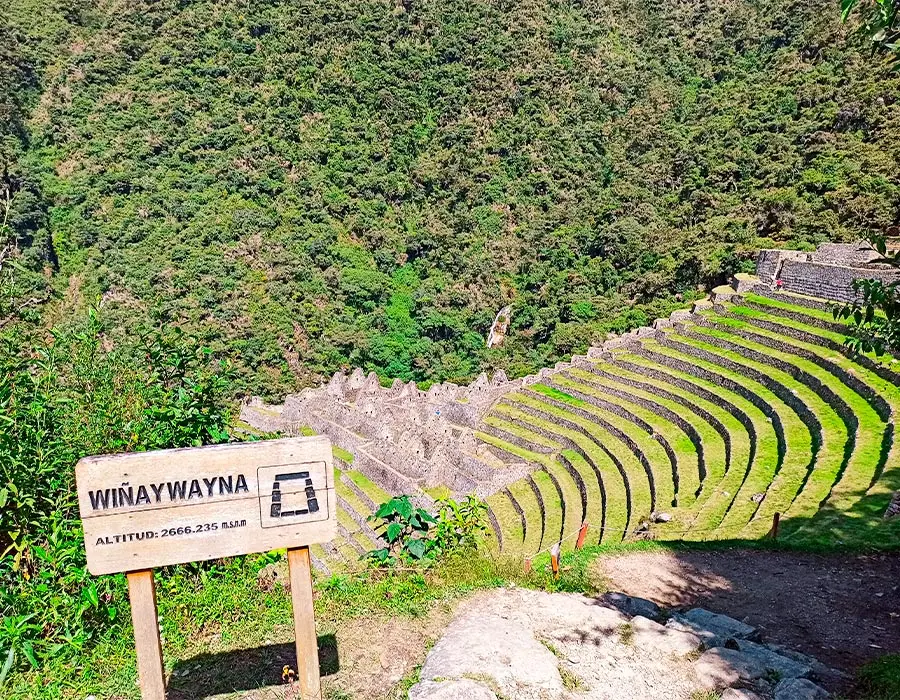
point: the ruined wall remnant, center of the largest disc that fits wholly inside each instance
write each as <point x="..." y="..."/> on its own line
<point x="828" y="272"/>
<point x="402" y="437"/>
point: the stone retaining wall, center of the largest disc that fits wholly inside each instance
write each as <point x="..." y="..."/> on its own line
<point x="827" y="273"/>
<point x="665" y="413"/>
<point x="623" y="413"/>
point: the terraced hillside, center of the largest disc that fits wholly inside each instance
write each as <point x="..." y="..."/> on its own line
<point x="703" y="427"/>
<point x="719" y="418"/>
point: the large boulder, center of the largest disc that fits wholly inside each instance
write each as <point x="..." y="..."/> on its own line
<point x="651" y="635"/>
<point x="463" y="689"/>
<point x="488" y="646"/>
<point x="799" y="689"/>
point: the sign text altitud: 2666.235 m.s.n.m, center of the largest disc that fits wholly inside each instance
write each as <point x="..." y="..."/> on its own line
<point x="145" y="510"/>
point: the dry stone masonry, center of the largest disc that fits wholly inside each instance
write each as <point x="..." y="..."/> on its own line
<point x="828" y="272"/>
<point x="702" y="426"/>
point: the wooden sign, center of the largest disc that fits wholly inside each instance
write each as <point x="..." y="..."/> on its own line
<point x="148" y="509"/>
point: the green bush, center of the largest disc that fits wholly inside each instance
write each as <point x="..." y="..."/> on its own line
<point x="65" y="395"/>
<point x="415" y="535"/>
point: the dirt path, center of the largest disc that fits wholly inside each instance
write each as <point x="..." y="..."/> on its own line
<point x="844" y="610"/>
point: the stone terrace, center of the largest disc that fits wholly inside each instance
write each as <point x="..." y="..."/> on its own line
<point x="702" y="427"/>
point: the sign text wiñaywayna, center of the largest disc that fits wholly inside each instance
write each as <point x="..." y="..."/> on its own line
<point x="127" y="496"/>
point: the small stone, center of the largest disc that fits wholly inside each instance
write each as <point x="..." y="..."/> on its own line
<point x="721" y="625"/>
<point x="631" y="605"/>
<point x="739" y="694"/>
<point x="661" y="517"/>
<point x="799" y="689"/>
<point x="757" y="497"/>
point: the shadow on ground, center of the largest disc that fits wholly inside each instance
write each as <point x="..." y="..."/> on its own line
<point x="243" y="669"/>
<point x="842" y="609"/>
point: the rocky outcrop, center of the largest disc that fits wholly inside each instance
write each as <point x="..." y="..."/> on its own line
<point x="519" y="643"/>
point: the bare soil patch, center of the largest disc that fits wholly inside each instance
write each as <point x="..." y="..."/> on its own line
<point x="842" y="609"/>
<point x="364" y="659"/>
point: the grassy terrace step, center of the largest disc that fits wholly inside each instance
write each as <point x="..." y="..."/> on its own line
<point x="512" y="535"/>
<point x="353" y="501"/>
<point x="800" y="300"/>
<point x="730" y="507"/>
<point x="524" y="496"/>
<point x="356" y="538"/>
<point x="864" y="462"/>
<point x="593" y="508"/>
<point x="344" y="455"/>
<point x="546" y="416"/>
<point x="517" y="450"/>
<point x="800" y="422"/>
<point x="368" y="487"/>
<point x="616" y="496"/>
<point x="651" y="455"/>
<point x="321" y="561"/>
<point x="529" y="436"/>
<point x="804" y="314"/>
<point x="553" y="508"/>
<point x="876" y="378"/>
<point x="571" y="496"/>
<point x="680" y="445"/>
<point x="710" y="448"/>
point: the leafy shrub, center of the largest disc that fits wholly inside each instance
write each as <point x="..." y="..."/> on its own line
<point x="460" y="524"/>
<point x="63" y="396"/>
<point x="414" y="535"/>
<point x="873" y="319"/>
<point x="406" y="530"/>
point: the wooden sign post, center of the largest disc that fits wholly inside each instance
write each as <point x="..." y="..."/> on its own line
<point x="150" y="509"/>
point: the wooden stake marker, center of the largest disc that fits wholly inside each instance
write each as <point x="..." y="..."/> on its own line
<point x="149" y="509"/>
<point x="582" y="535"/>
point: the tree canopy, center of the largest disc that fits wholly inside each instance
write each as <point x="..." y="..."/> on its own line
<point x="308" y="187"/>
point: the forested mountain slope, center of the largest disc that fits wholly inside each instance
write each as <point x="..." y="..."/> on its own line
<point x="308" y="186"/>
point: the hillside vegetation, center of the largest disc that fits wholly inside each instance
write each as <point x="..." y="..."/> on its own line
<point x="308" y="186"/>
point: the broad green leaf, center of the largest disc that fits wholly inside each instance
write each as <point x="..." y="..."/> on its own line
<point x="416" y="548"/>
<point x="7" y="665"/>
<point x="393" y="532"/>
<point x="404" y="507"/>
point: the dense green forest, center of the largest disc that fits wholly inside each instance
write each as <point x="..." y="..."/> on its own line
<point x="305" y="187"/>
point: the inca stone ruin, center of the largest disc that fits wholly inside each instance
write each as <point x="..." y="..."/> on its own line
<point x="702" y="426"/>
